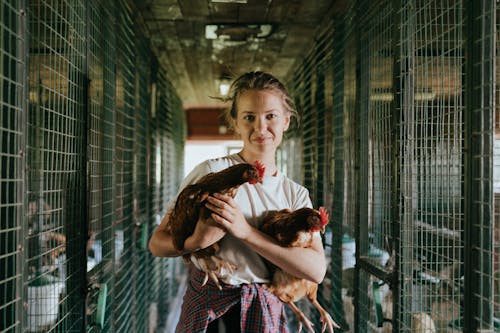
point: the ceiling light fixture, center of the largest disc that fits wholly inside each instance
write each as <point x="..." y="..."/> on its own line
<point x="224" y="86"/>
<point x="237" y="32"/>
<point x="230" y="1"/>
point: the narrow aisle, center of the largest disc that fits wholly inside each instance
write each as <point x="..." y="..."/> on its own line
<point x="175" y="308"/>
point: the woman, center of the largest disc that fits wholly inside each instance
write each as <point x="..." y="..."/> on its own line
<point x="260" y="114"/>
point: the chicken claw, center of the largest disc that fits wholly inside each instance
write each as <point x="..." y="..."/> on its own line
<point x="325" y="317"/>
<point x="328" y="321"/>
<point x="302" y="318"/>
<point x="213" y="267"/>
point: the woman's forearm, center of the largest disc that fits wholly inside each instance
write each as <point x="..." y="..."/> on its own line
<point x="161" y="244"/>
<point x="205" y="234"/>
<point x="304" y="263"/>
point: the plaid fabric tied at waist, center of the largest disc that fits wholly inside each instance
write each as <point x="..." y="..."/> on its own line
<point x="261" y="310"/>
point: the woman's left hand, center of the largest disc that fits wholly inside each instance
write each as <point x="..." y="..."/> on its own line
<point x="229" y="215"/>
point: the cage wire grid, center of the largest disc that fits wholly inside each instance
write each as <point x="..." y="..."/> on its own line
<point x="12" y="81"/>
<point x="496" y="170"/>
<point x="375" y="145"/>
<point x="125" y="94"/>
<point x="432" y="226"/>
<point x="304" y="89"/>
<point x="315" y="106"/>
<point x="140" y="204"/>
<point x="482" y="121"/>
<point x="431" y="150"/>
<point x="55" y="167"/>
<point x="64" y="113"/>
<point x="101" y="50"/>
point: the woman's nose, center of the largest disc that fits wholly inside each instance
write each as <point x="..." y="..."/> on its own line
<point x="260" y="125"/>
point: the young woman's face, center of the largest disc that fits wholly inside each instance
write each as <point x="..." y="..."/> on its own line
<point x="261" y="120"/>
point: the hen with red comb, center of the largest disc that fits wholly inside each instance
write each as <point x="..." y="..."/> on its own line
<point x="190" y="205"/>
<point x="296" y="229"/>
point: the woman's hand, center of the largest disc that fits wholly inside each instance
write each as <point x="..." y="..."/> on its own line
<point x="229" y="215"/>
<point x="206" y="233"/>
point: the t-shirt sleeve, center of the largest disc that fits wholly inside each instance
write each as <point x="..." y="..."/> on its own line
<point x="302" y="199"/>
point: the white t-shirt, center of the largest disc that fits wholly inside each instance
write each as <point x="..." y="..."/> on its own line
<point x="275" y="192"/>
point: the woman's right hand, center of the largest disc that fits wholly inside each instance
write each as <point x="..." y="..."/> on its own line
<point x="206" y="233"/>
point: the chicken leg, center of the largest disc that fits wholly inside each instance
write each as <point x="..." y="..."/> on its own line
<point x="213" y="264"/>
<point x="302" y="318"/>
<point x="325" y="317"/>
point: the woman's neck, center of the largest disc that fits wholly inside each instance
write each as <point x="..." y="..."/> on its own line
<point x="268" y="161"/>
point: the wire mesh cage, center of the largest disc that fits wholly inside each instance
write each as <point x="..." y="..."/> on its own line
<point x="12" y="142"/>
<point x="411" y="169"/>
<point x="399" y="103"/>
<point x="431" y="159"/>
<point x="75" y="177"/>
<point x="375" y="153"/>
<point x="101" y="55"/>
<point x="312" y="86"/>
<point x="55" y="167"/>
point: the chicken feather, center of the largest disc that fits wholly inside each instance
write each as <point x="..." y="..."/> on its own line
<point x="295" y="229"/>
<point x="190" y="206"/>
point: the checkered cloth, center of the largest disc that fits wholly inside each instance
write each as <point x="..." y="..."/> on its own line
<point x="261" y="311"/>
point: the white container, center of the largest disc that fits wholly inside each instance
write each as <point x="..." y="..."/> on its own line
<point x="348" y="252"/>
<point x="43" y="305"/>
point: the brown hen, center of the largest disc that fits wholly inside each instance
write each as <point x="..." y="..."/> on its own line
<point x="190" y="205"/>
<point x="295" y="229"/>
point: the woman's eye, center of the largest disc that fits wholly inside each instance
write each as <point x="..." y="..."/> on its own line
<point x="249" y="118"/>
<point x="271" y="116"/>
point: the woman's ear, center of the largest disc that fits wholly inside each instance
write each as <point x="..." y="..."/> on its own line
<point x="287" y="122"/>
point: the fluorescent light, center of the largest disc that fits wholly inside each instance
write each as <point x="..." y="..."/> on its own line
<point x="224" y="88"/>
<point x="211" y="31"/>
<point x="424" y="96"/>
<point x="388" y="97"/>
<point x="230" y="1"/>
<point x="382" y="97"/>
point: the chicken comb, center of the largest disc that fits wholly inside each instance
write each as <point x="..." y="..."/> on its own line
<point x="323" y="214"/>
<point x="260" y="167"/>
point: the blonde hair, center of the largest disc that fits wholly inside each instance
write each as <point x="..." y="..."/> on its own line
<point x="258" y="80"/>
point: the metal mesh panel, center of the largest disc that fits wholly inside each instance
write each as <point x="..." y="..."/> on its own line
<point x="56" y="211"/>
<point x="124" y="162"/>
<point x="289" y="155"/>
<point x="164" y="150"/>
<point x="375" y="154"/>
<point x="140" y="269"/>
<point x="346" y="118"/>
<point x="101" y="154"/>
<point x="312" y="87"/>
<point x="481" y="288"/>
<point x="431" y="164"/>
<point x="495" y="255"/>
<point x="12" y="81"/>
<point x="496" y="181"/>
<point x="74" y="168"/>
<point x="341" y="272"/>
<point x="179" y="137"/>
<point x="155" y="282"/>
<point x="303" y="88"/>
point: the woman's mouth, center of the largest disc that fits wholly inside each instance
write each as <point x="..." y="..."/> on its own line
<point x="260" y="139"/>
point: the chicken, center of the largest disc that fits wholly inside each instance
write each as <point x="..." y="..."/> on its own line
<point x="191" y="203"/>
<point x="295" y="229"/>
